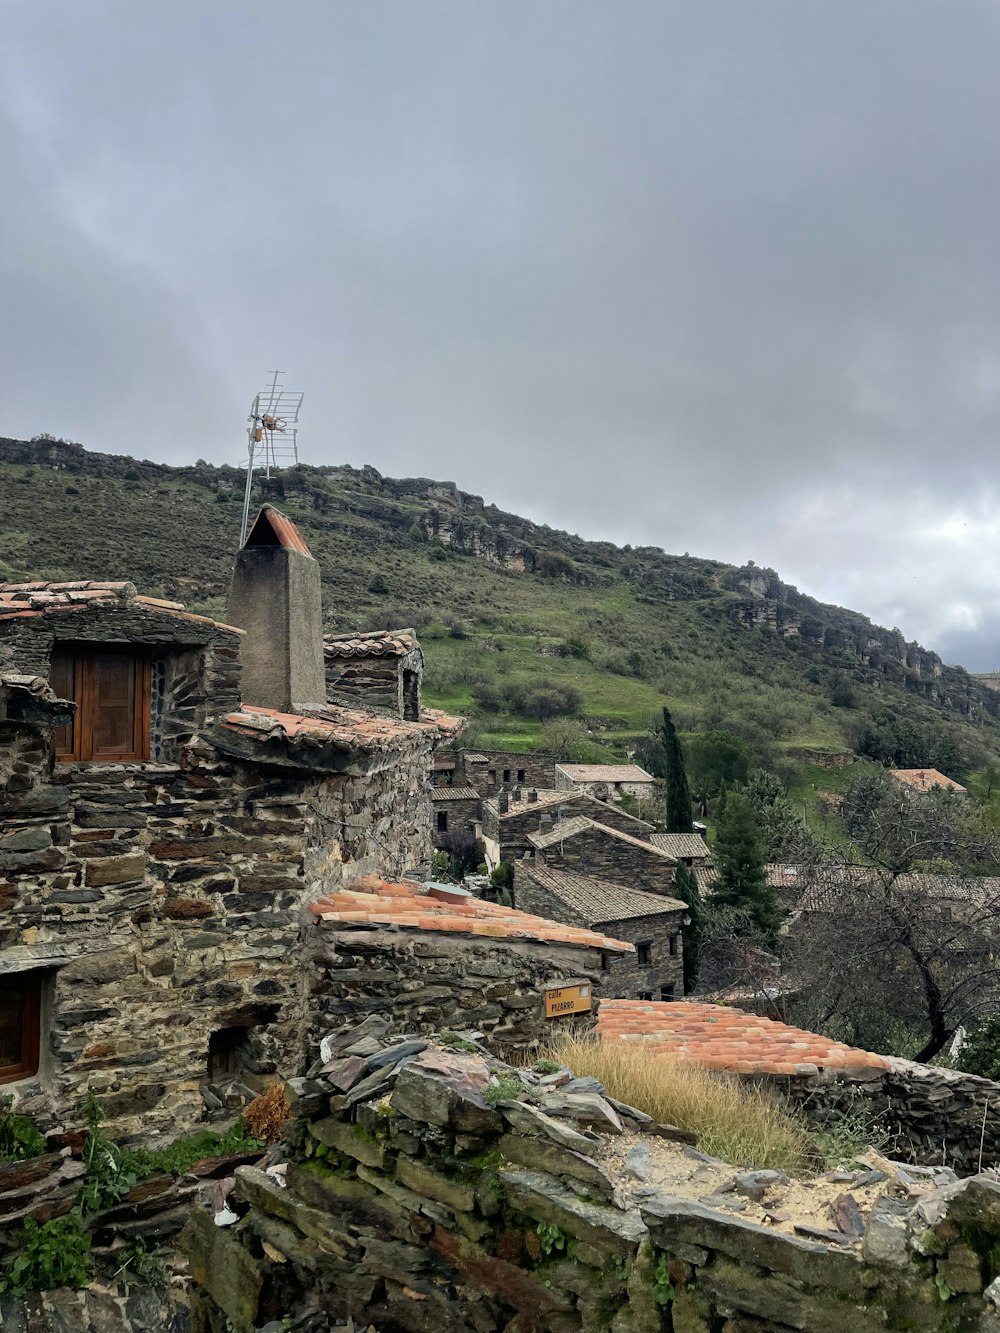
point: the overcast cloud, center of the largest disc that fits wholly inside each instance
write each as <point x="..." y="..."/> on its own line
<point x="719" y="276"/>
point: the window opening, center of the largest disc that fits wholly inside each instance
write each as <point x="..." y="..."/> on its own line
<point x="226" y="1049"/>
<point x="666" y="992"/>
<point x="520" y="775"/>
<point x="645" y="953"/>
<point x="411" y="696"/>
<point x="605" y="962"/>
<point x="442" y="821"/>
<point x="20" y="1009"/>
<point x="673" y="946"/>
<point x="506" y="775"/>
<point x="111" y="689"/>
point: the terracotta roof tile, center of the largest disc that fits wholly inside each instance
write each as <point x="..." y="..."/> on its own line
<point x="376" y="902"/>
<point x="273" y="528"/>
<point x="371" y="643"/>
<point x="923" y="779"/>
<point x="719" y="1037"/>
<point x="40" y="598"/>
<point x="341" y="728"/>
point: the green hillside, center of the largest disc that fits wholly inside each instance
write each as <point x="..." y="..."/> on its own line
<point x="516" y="619"/>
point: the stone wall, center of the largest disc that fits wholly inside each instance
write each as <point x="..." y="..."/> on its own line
<point x="624" y="977"/>
<point x="414" y="1200"/>
<point x="423" y="981"/>
<point x="486" y="770"/>
<point x="461" y="815"/>
<point x="372" y="680"/>
<point x="509" y="831"/>
<point x="162" y="903"/>
<point x="592" y="852"/>
<point x="934" y="1115"/>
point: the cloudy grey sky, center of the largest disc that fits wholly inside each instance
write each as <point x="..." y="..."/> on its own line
<point x="716" y="275"/>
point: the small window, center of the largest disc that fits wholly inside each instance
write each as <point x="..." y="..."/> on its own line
<point x="605" y="962"/>
<point x="673" y="946"/>
<point x="20" y="1007"/>
<point x="645" y="995"/>
<point x="226" y="1049"/>
<point x="492" y="777"/>
<point x="506" y="775"/>
<point x="520" y="775"/>
<point x="442" y="821"/>
<point x="111" y="690"/>
<point x="666" y="992"/>
<point x="644" y="953"/>
<point x="411" y="696"/>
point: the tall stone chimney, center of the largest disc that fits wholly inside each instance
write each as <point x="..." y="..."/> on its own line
<point x="276" y="597"/>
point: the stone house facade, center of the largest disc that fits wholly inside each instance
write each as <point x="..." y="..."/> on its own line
<point x="489" y="771"/>
<point x="589" y="848"/>
<point x="455" y="810"/>
<point x="511" y="816"/>
<point x="162" y="830"/>
<point x="651" y="923"/>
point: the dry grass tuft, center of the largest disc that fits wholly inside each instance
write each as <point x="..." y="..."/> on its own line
<point x="735" y="1121"/>
<point x="265" y="1117"/>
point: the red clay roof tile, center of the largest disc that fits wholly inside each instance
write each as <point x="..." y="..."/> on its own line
<point x="719" y="1037"/>
<point x="370" y="901"/>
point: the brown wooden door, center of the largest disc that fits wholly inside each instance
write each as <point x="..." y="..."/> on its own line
<point x="111" y="688"/>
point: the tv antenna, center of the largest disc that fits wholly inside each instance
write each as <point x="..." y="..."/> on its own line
<point x="272" y="436"/>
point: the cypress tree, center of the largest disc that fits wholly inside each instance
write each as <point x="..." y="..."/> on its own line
<point x="739" y="856"/>
<point x="686" y="889"/>
<point x="678" y="792"/>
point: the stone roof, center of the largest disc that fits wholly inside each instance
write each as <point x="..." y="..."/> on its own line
<point x="334" y="728"/>
<point x="32" y="700"/>
<point x="680" y="844"/>
<point x="454" y="794"/>
<point x="374" y="902"/>
<point x="20" y="601"/>
<point x="923" y="779"/>
<point x="371" y="643"/>
<point x="720" y="1037"/>
<point x="572" y="828"/>
<point x="546" y="797"/>
<point x="605" y="773"/>
<point x="597" y="900"/>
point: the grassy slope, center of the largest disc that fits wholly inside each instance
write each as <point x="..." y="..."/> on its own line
<point x="173" y="533"/>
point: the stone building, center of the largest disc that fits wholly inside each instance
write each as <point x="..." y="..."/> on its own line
<point x="173" y="792"/>
<point x="691" y="848"/>
<point x="489" y="771"/>
<point x="428" y="957"/>
<point x="651" y="922"/>
<point x="587" y="847"/>
<point x="511" y="816"/>
<point x="606" y="781"/>
<point x="455" y="810"/>
<point x="382" y="669"/>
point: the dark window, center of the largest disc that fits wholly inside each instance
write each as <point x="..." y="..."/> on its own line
<point x="645" y="995"/>
<point x="506" y="775"/>
<point x="20" y="1007"/>
<point x="226" y="1049"/>
<point x="644" y="953"/>
<point x="492" y="777"/>
<point x="520" y="775"/>
<point x="111" y="690"/>
<point x="673" y="946"/>
<point x="666" y="992"/>
<point x="442" y="821"/>
<point x="411" y="696"/>
<point x="605" y="962"/>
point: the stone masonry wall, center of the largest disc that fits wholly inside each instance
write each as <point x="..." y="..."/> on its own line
<point x="936" y="1116"/>
<point x="416" y="1201"/>
<point x="462" y="815"/>
<point x="163" y="903"/>
<point x="485" y="770"/>
<point x="366" y="682"/>
<point x="592" y="852"/>
<point x="422" y="981"/>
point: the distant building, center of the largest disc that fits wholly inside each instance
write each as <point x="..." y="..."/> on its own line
<point x="512" y="816"/>
<point x="606" y="781"/>
<point x="691" y="848"/>
<point x="926" y="779"/>
<point x="586" y="847"/>
<point x="651" y="922"/>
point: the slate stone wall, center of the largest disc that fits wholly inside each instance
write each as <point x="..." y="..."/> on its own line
<point x="374" y="681"/>
<point x="592" y="852"/>
<point x="485" y="770"/>
<point x="422" y="981"/>
<point x="164" y="902"/>
<point x="414" y="1202"/>
<point x="461" y="816"/>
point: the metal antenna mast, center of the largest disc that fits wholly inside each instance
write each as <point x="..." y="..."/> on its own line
<point x="272" y="436"/>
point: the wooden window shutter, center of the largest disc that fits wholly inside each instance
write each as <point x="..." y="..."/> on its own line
<point x="62" y="678"/>
<point x="111" y="688"/>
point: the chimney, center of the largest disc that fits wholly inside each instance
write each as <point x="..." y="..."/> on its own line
<point x="503" y="804"/>
<point x="276" y="597"/>
<point x="517" y="793"/>
<point x="532" y="794"/>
